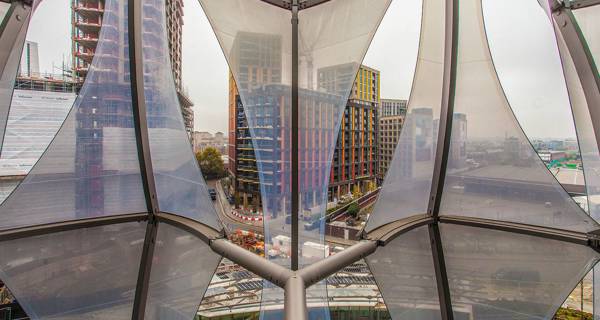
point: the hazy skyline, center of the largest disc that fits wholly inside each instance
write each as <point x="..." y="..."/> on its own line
<point x="521" y="41"/>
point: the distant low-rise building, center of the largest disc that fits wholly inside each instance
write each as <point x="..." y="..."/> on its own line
<point x="392" y="107"/>
<point x="549" y="155"/>
<point x="202" y="140"/>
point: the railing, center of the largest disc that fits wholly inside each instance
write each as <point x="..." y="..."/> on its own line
<point x="362" y="202"/>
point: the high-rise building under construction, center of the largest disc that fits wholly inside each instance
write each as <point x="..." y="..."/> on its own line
<point x="86" y="21"/>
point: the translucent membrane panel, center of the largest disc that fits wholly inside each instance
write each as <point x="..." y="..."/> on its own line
<point x="256" y="40"/>
<point x="493" y="171"/>
<point x="182" y="268"/>
<point x="179" y="184"/>
<point x="332" y="47"/>
<point x="355" y="285"/>
<point x="407" y="185"/>
<point x="81" y="274"/>
<point x="403" y="269"/>
<point x="233" y="290"/>
<point x="530" y="71"/>
<point x="588" y="145"/>
<point x="587" y="20"/>
<point x="12" y="52"/>
<point x="501" y="275"/>
<point x="34" y="119"/>
<point x="91" y="168"/>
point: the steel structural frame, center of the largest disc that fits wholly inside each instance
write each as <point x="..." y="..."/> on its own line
<point x="138" y="101"/>
<point x="295" y="206"/>
<point x="567" y="28"/>
<point x="441" y="156"/>
<point x="587" y="72"/>
<point x="295" y="282"/>
<point x="17" y="17"/>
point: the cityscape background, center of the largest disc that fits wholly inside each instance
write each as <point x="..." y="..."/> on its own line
<point x="55" y="62"/>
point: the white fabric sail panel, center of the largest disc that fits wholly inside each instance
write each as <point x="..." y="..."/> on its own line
<point x="406" y="188"/>
<point x="81" y="274"/>
<point x="403" y="270"/>
<point x="587" y="21"/>
<point x="332" y="47"/>
<point x="183" y="266"/>
<point x="256" y="40"/>
<point x="493" y="171"/>
<point x="180" y="187"/>
<point x="502" y="275"/>
<point x="588" y="146"/>
<point x="91" y="168"/>
<point x="8" y="72"/>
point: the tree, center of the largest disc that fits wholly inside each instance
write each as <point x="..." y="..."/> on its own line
<point x="353" y="210"/>
<point x="211" y="163"/>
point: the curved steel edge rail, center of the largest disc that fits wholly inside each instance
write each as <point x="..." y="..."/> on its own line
<point x="566" y="25"/>
<point x="44" y="229"/>
<point x="16" y="18"/>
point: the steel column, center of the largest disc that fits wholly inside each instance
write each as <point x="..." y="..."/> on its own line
<point x="136" y="62"/>
<point x="294" y="136"/>
<point x="441" y="275"/>
<point x="441" y="155"/>
<point x="295" y="299"/>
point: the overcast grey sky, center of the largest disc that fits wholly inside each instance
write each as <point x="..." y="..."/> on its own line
<point x="521" y="41"/>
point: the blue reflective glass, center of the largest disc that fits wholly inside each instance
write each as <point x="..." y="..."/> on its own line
<point x="179" y="183"/>
<point x="91" y="168"/>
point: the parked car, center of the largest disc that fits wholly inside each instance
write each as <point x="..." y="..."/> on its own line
<point x="213" y="194"/>
<point x="313" y="225"/>
<point x="230" y="199"/>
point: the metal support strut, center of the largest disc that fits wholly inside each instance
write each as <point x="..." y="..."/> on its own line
<point x="138" y="101"/>
<point x="294" y="115"/>
<point x="13" y="28"/>
<point x="441" y="155"/>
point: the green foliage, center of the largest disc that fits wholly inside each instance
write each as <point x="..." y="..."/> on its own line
<point x="353" y="209"/>
<point x="570" y="314"/>
<point x="211" y="163"/>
